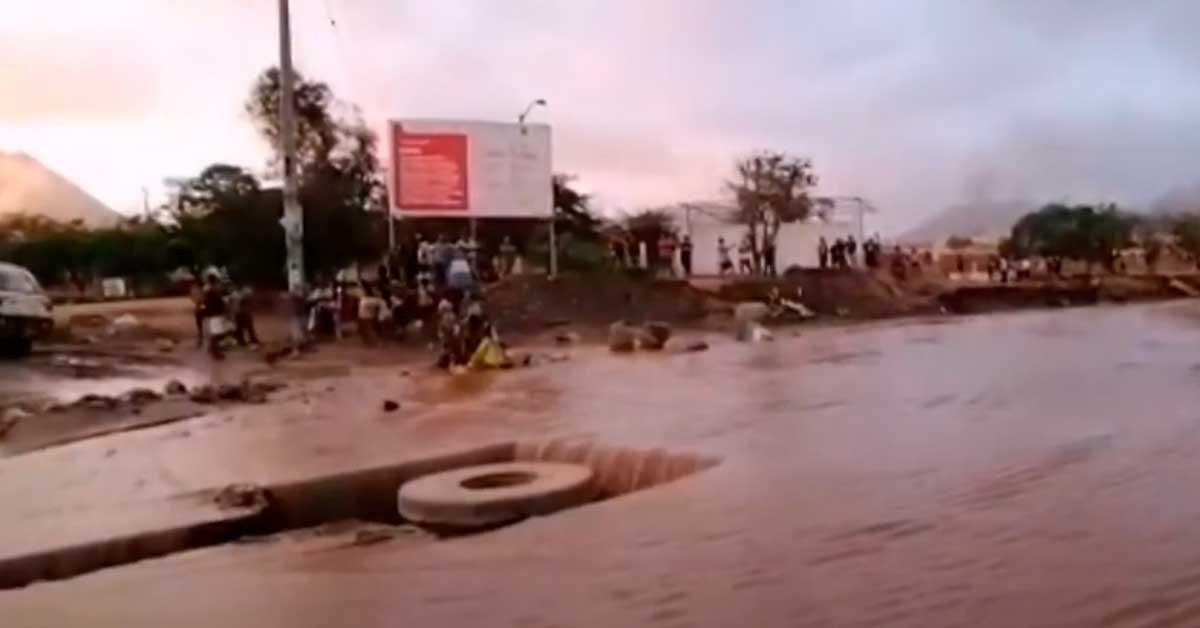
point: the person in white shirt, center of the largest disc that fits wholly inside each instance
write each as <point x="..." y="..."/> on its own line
<point x="370" y="307"/>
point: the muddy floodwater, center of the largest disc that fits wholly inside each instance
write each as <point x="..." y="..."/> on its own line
<point x="1024" y="470"/>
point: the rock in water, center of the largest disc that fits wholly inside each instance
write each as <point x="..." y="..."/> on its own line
<point x="750" y="312"/>
<point x="98" y="402"/>
<point x="231" y="392"/>
<point x="621" y="337"/>
<point x="140" y="396"/>
<point x="175" y="387"/>
<point x="567" y="338"/>
<point x="655" y="335"/>
<point x="204" y="394"/>
<point x="10" y="418"/>
<point x="390" y="406"/>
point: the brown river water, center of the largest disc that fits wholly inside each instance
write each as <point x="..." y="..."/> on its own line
<point x="1030" y="469"/>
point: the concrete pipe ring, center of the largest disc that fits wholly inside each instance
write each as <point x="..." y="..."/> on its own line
<point x="494" y="494"/>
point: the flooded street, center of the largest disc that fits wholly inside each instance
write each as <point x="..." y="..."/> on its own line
<point x="1024" y="470"/>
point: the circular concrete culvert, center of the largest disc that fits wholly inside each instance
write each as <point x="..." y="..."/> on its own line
<point x="494" y="494"/>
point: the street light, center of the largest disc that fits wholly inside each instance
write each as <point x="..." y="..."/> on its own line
<point x="541" y="102"/>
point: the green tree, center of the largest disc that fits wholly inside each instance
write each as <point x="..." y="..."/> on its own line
<point x="224" y="218"/>
<point x="55" y="252"/>
<point x="1186" y="229"/>
<point x="1081" y="232"/>
<point x="340" y="186"/>
<point x="648" y="225"/>
<point x="577" y="230"/>
<point x="572" y="214"/>
<point x="770" y="189"/>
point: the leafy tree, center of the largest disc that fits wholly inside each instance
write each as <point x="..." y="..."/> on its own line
<point x="577" y="231"/>
<point x="55" y="252"/>
<point x="648" y="225"/>
<point x="1080" y="232"/>
<point x="572" y="214"/>
<point x="771" y="189"/>
<point x="1186" y="229"/>
<point x="224" y="218"/>
<point x="60" y="253"/>
<point x="340" y="186"/>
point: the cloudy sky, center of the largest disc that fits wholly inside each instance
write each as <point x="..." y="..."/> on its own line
<point x="913" y="104"/>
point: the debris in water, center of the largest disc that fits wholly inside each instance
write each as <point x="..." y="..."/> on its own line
<point x="240" y="496"/>
<point x="204" y="394"/>
<point x="654" y="335"/>
<point x="99" y="402"/>
<point x="175" y="387"/>
<point x="140" y="395"/>
<point x="231" y="392"/>
<point x="123" y="324"/>
<point x="372" y="536"/>
<point x="390" y="406"/>
<point x="10" y="418"/>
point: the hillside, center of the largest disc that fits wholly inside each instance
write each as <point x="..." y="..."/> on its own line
<point x="28" y="187"/>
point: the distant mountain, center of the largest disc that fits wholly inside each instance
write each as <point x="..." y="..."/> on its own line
<point x="990" y="220"/>
<point x="28" y="187"/>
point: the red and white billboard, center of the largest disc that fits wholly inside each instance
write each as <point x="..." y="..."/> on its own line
<point x="470" y="169"/>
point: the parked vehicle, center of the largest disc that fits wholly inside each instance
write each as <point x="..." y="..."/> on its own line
<point x="25" y="311"/>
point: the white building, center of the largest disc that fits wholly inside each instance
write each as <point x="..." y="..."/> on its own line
<point x="707" y="221"/>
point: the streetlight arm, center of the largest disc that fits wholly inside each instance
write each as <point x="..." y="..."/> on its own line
<point x="524" y="114"/>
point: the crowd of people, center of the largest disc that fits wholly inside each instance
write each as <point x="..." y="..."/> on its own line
<point x="430" y="286"/>
<point x="672" y="256"/>
<point x="843" y="253"/>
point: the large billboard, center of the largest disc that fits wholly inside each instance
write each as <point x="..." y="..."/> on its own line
<point x="470" y="169"/>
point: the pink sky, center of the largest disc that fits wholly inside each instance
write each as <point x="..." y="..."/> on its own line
<point x="911" y="104"/>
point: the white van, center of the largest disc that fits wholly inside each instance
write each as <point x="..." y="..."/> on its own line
<point x="25" y="311"/>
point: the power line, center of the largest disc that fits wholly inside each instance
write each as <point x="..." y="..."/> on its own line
<point x="341" y="51"/>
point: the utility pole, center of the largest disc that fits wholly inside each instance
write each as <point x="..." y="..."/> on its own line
<point x="293" y="213"/>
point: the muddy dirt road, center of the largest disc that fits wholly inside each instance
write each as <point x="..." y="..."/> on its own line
<point x="1024" y="470"/>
